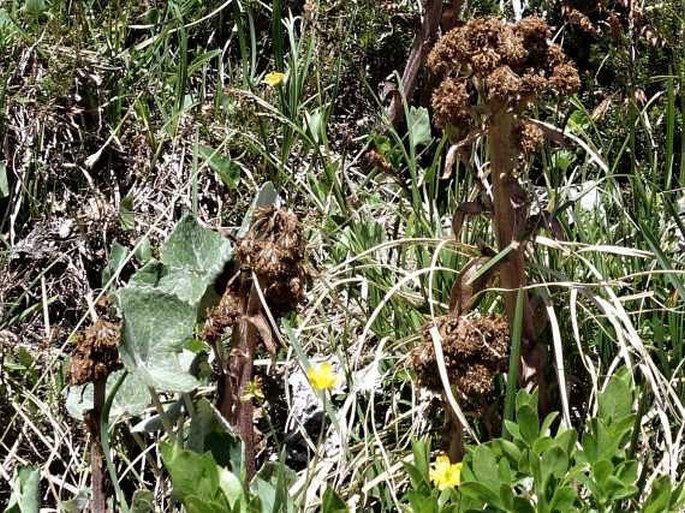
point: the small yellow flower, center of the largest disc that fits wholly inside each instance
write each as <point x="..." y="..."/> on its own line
<point x="444" y="474"/>
<point x="273" y="79"/>
<point x="322" y="376"/>
<point x="253" y="391"/>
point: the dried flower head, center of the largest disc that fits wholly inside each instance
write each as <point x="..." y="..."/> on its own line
<point x="475" y="351"/>
<point x="223" y="316"/>
<point x="274" y="250"/>
<point x="96" y="354"/>
<point x="531" y="138"/>
<point x="509" y="64"/>
<point x="451" y="103"/>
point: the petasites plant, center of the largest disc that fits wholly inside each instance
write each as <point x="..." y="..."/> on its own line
<point x="492" y="73"/>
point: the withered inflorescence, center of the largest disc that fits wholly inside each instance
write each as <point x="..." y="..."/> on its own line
<point x="475" y="351"/>
<point x="273" y="250"/>
<point x="488" y="65"/>
<point x="96" y="354"/>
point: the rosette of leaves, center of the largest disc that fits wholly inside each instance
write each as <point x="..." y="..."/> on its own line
<point x="492" y="72"/>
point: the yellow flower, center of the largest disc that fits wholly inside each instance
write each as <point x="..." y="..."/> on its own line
<point x="322" y="376"/>
<point x="273" y="79"/>
<point x="445" y="474"/>
<point x="253" y="391"/>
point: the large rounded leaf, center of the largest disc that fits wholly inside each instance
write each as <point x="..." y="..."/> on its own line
<point x="156" y="326"/>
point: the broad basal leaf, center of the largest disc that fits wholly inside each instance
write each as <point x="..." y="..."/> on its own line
<point x="156" y="325"/>
<point x="132" y="397"/>
<point x="193" y="257"/>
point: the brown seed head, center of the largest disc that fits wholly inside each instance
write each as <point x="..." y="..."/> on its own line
<point x="274" y="250"/>
<point x="96" y="354"/>
<point x="510" y="64"/>
<point x="451" y="103"/>
<point x="475" y="351"/>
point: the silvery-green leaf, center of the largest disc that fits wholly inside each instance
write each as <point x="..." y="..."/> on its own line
<point x="266" y="196"/>
<point x="156" y="325"/>
<point x="132" y="397"/>
<point x="192" y="247"/>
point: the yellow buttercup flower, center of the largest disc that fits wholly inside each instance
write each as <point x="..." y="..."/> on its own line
<point x="322" y="376"/>
<point x="273" y="79"/>
<point x="444" y="474"/>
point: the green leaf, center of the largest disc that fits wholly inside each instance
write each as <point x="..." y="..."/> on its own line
<point x="507" y="449"/>
<point x="616" y="401"/>
<point x="35" y="7"/>
<point x="421" y="463"/>
<point x="132" y="397"/>
<point x="191" y="474"/>
<point x="626" y="472"/>
<point x="197" y="249"/>
<point x="271" y="485"/>
<point x="143" y="251"/>
<point x="547" y="423"/>
<point x="154" y="422"/>
<point x="127" y="216"/>
<point x="660" y="496"/>
<point x="513" y="430"/>
<point x="230" y="486"/>
<point x="602" y="470"/>
<point x="266" y="197"/>
<point x="315" y="123"/>
<point x="332" y="503"/>
<point x="156" y="326"/>
<point x="527" y="419"/>
<point x="4" y="184"/>
<point x="419" y="126"/>
<point x="117" y="256"/>
<point x="485" y="468"/>
<point x="24" y="486"/>
<point x="554" y="462"/>
<point x="522" y="505"/>
<point x="566" y="439"/>
<point x="149" y="274"/>
<point x="189" y="286"/>
<point x="209" y="433"/>
<point x="194" y="504"/>
<point x="563" y="500"/>
<point x="420" y="503"/>
<point x="143" y="502"/>
<point x="479" y="491"/>
<point x="226" y="168"/>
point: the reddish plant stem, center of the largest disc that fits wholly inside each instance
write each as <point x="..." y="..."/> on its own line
<point x="509" y="221"/>
<point x="237" y="375"/>
<point x="422" y="44"/>
<point x="97" y="456"/>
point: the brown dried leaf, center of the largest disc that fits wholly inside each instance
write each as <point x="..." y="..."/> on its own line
<point x="260" y="322"/>
<point x="463" y="292"/>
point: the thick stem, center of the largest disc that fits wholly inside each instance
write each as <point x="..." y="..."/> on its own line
<point x="509" y="206"/>
<point x="239" y="410"/>
<point x="509" y="221"/>
<point x="454" y="432"/>
<point x="97" y="456"/>
<point x="423" y="42"/>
